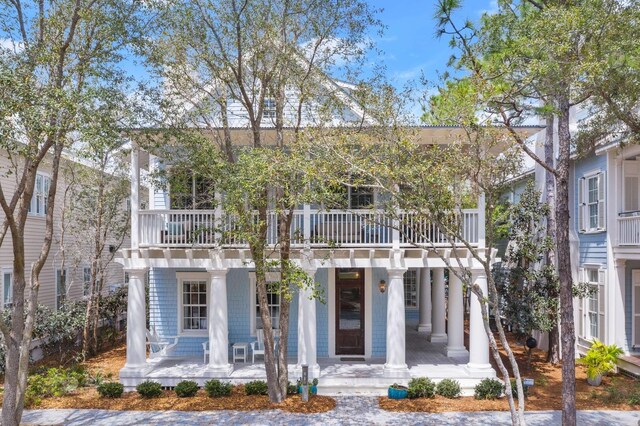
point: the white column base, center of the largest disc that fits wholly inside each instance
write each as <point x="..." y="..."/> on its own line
<point x="314" y="371"/>
<point x="395" y="370"/>
<point x="424" y="328"/>
<point x="453" y="352"/>
<point x="438" y="338"/>
<point x="219" y="370"/>
<point x="480" y="368"/>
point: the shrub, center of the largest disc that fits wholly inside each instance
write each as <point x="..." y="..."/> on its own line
<point x="514" y="389"/>
<point x="600" y="359"/>
<point x="53" y="382"/>
<point x="149" y="389"/>
<point x="292" y="389"/>
<point x="186" y="388"/>
<point x="215" y="387"/>
<point x="448" y="388"/>
<point x="421" y="387"/>
<point x="489" y="389"/>
<point x="256" y="387"/>
<point x="110" y="389"/>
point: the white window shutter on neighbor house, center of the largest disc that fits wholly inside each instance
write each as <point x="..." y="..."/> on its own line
<point x="601" y="201"/>
<point x="581" y="204"/>
<point x="601" y="300"/>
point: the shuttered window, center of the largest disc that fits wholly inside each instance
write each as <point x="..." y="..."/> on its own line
<point x="591" y="309"/>
<point x="591" y="203"/>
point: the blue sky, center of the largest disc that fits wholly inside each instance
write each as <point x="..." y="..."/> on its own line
<point x="409" y="43"/>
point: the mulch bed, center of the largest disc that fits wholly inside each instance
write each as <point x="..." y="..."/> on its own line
<point x="89" y="398"/>
<point x="546" y="394"/>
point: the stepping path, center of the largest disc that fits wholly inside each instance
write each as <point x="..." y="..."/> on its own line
<point x="349" y="411"/>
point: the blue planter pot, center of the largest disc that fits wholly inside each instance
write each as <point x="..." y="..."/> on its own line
<point x="313" y="390"/>
<point x="395" y="393"/>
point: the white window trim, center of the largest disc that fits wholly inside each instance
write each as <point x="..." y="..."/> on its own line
<point x="271" y="276"/>
<point x="4" y="272"/>
<point x="583" y="205"/>
<point x="584" y="303"/>
<point x="86" y="284"/>
<point x="180" y="277"/>
<point x="31" y="212"/>
<point x="404" y="288"/>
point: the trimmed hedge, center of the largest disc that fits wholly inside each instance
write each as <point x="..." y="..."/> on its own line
<point x="110" y="389"/>
<point x="421" y="387"/>
<point x="256" y="387"/>
<point x="489" y="389"/>
<point x="215" y="387"/>
<point x="186" y="389"/>
<point x="149" y="389"/>
<point x="448" y="388"/>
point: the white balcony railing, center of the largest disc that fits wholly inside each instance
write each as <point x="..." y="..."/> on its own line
<point x="326" y="228"/>
<point x="629" y="230"/>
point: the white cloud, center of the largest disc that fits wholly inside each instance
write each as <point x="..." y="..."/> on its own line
<point x="7" y="44"/>
<point x="493" y="8"/>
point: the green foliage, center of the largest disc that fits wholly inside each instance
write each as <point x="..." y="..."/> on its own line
<point x="421" y="387"/>
<point x="59" y="328"/>
<point x="149" y="389"/>
<point x="523" y="278"/>
<point x="448" y="388"/>
<point x="186" y="388"/>
<point x="489" y="389"/>
<point x="54" y="382"/>
<point x="110" y="389"/>
<point x="256" y="387"/>
<point x="215" y="387"/>
<point x="600" y="358"/>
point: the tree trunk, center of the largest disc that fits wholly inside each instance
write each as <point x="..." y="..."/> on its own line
<point x="564" y="265"/>
<point x="553" y="354"/>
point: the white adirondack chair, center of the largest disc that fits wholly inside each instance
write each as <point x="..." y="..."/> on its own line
<point x="257" y="347"/>
<point x="160" y="347"/>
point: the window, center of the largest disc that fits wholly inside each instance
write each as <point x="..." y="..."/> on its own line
<point x="592" y="306"/>
<point x="61" y="287"/>
<point x="269" y="110"/>
<point x="360" y="198"/>
<point x="193" y="300"/>
<point x="273" y="301"/>
<point x="86" y="281"/>
<point x="411" y="289"/>
<point x="190" y="192"/>
<point x="7" y="288"/>
<point x="39" y="202"/>
<point x="591" y="203"/>
<point x="126" y="277"/>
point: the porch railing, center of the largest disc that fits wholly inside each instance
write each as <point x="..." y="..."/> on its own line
<point x="312" y="227"/>
<point x="629" y="230"/>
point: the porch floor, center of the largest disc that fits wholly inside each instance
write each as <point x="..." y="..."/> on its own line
<point x="424" y="359"/>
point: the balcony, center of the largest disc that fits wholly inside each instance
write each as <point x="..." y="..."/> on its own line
<point x="629" y="229"/>
<point x="312" y="228"/>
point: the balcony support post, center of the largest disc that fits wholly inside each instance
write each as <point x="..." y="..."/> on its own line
<point x="135" y="195"/>
<point x="306" y="226"/>
<point x="481" y="221"/>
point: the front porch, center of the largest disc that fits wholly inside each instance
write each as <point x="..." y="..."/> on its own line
<point x="367" y="377"/>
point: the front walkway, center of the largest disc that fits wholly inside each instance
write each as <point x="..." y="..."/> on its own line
<point x="424" y="359"/>
<point x="349" y="411"/>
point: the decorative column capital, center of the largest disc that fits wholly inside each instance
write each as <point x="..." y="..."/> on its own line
<point x="396" y="272"/>
<point x="217" y="272"/>
<point x="135" y="270"/>
<point x="620" y="263"/>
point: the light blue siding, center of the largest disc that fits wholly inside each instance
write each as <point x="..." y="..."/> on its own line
<point x="412" y="316"/>
<point x="379" y="309"/>
<point x="593" y="247"/>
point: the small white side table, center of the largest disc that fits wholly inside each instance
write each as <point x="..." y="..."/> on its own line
<point x="240" y="351"/>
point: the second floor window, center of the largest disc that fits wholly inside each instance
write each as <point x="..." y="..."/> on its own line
<point x="188" y="192"/>
<point x="39" y="203"/>
<point x="269" y="110"/>
<point x="591" y="203"/>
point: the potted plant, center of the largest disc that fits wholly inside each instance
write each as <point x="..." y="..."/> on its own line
<point x="397" y="391"/>
<point x="599" y="360"/>
<point x="313" y="386"/>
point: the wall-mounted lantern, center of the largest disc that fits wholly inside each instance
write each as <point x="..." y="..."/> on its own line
<point x="382" y="286"/>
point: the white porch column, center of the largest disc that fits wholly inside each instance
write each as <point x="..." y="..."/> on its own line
<point x="425" y="301"/>
<point x="136" y="321"/>
<point x="395" y="322"/>
<point x="307" y="341"/>
<point x="218" y="324"/>
<point x="135" y="195"/>
<point x="438" y="332"/>
<point x="478" y="340"/>
<point x="455" y="318"/>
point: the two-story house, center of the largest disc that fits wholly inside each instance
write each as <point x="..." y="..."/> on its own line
<point x="389" y="313"/>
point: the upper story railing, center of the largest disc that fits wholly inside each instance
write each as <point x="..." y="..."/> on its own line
<point x="313" y="228"/>
<point x="629" y="229"/>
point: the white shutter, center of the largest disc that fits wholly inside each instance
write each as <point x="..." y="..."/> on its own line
<point x="581" y="302"/>
<point x="601" y="201"/>
<point x="581" y="204"/>
<point x="601" y="304"/>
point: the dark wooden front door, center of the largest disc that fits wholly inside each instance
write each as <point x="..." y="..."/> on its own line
<point x="349" y="311"/>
